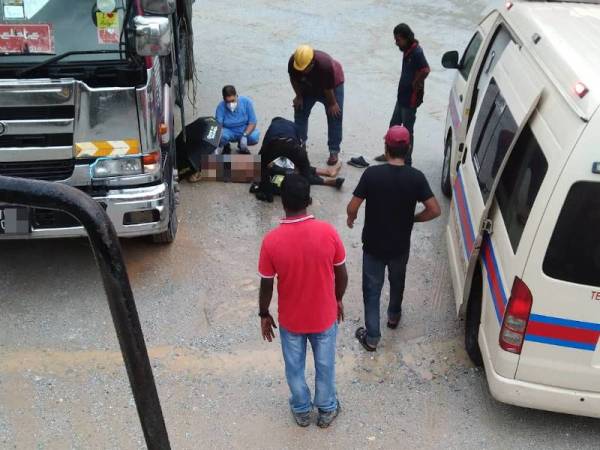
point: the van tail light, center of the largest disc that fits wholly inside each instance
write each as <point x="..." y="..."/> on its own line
<point x="516" y="317"/>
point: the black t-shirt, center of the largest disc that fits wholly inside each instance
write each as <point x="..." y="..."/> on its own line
<point x="392" y="193"/>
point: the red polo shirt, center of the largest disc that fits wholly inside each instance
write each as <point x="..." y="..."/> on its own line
<point x="301" y="253"/>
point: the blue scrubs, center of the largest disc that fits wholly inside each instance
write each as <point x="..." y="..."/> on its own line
<point x="235" y="123"/>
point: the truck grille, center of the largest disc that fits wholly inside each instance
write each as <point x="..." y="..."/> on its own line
<point x="39" y="170"/>
<point x="37" y="140"/>
<point x="38" y="112"/>
<point x="47" y="218"/>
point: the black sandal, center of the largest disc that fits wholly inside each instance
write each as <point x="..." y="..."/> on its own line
<point x="361" y="335"/>
<point x="392" y="325"/>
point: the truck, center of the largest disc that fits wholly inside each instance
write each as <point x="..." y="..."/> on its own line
<point x="89" y="93"/>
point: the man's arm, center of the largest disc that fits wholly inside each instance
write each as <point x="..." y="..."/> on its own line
<point x="267" y="323"/>
<point x="251" y="118"/>
<point x="341" y="283"/>
<point x="432" y="210"/>
<point x="333" y="109"/>
<point x="352" y="210"/>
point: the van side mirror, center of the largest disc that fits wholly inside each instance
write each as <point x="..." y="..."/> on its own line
<point x="165" y="7"/>
<point x="152" y="36"/>
<point x="450" y="60"/>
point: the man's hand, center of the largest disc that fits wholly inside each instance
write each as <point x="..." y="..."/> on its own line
<point x="267" y="325"/>
<point x="350" y="221"/>
<point x="340" y="312"/>
<point x="244" y="143"/>
<point x="298" y="102"/>
<point x="335" y="110"/>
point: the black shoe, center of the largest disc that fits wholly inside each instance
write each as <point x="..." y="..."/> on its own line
<point x="243" y="152"/>
<point x="359" y="162"/>
<point x="381" y="158"/>
<point x="326" y="418"/>
<point x="339" y="182"/>
<point x="263" y="197"/>
<point x="361" y="335"/>
<point x="302" y="419"/>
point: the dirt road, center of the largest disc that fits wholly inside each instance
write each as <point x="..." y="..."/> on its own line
<point x="62" y="381"/>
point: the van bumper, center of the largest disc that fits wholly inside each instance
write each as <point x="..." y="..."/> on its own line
<point x="118" y="203"/>
<point x="539" y="396"/>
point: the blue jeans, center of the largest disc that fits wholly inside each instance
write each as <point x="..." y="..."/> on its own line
<point x="405" y="116"/>
<point x="373" y="279"/>
<point x="334" y="124"/>
<point x="294" y="354"/>
<point x="230" y="136"/>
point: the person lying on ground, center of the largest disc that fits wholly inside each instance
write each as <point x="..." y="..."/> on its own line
<point x="283" y="140"/>
<point x="237" y="117"/>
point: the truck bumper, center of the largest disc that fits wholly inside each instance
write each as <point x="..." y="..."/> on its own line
<point x="119" y="205"/>
<point x="539" y="396"/>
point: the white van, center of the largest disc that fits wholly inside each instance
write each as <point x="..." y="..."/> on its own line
<point x="522" y="164"/>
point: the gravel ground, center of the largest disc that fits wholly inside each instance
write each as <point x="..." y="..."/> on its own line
<point x="62" y="381"/>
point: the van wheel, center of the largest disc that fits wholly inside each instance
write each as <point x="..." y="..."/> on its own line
<point x="473" y="320"/>
<point x="446" y="184"/>
<point x="168" y="236"/>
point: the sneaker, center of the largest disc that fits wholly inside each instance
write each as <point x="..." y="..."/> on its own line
<point x="339" y="182"/>
<point x="361" y="335"/>
<point x="302" y="419"/>
<point x="326" y="418"/>
<point x="333" y="159"/>
<point x="381" y="158"/>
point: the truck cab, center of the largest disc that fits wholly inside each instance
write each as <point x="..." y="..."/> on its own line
<point x="87" y="98"/>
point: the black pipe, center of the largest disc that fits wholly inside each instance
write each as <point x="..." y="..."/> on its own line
<point x="107" y="251"/>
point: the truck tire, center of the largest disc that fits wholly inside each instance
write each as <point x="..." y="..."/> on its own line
<point x="473" y="319"/>
<point x="168" y="236"/>
<point x="446" y="183"/>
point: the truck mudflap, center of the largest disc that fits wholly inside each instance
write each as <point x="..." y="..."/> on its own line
<point x="107" y="252"/>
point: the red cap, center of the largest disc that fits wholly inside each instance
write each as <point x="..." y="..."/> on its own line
<point x="397" y="136"/>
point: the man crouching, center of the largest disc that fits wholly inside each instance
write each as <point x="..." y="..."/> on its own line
<point x="308" y="258"/>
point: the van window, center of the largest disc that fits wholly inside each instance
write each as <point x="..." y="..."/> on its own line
<point x="494" y="133"/>
<point x="500" y="41"/>
<point x="520" y="184"/>
<point x="574" y="251"/>
<point x="466" y="64"/>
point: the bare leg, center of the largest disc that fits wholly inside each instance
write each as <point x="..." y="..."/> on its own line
<point x="330" y="172"/>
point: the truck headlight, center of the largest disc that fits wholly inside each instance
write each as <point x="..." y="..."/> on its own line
<point x="116" y="167"/>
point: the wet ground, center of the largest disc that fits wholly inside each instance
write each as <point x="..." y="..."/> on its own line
<point x="62" y="381"/>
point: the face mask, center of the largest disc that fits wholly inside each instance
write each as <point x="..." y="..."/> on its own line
<point x="232" y="106"/>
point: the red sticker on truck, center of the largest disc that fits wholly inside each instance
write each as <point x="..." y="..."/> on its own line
<point x="26" y="38"/>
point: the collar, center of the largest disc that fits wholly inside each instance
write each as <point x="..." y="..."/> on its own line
<point x="410" y="49"/>
<point x="296" y="219"/>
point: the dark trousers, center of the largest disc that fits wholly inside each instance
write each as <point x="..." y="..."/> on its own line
<point x="334" y="124"/>
<point x="405" y="116"/>
<point x="373" y="279"/>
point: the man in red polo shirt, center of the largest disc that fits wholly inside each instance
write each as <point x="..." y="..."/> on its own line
<point x="308" y="258"/>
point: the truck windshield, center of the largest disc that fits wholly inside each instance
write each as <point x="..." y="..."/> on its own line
<point x="34" y="30"/>
<point x="574" y="251"/>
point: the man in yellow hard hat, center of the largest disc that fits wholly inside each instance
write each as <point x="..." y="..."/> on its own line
<point x="317" y="77"/>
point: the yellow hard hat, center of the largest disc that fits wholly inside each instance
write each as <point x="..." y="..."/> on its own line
<point x="303" y="56"/>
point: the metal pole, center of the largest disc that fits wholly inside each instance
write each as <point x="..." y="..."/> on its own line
<point x="107" y="251"/>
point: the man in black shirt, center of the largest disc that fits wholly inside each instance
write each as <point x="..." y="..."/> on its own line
<point x="392" y="191"/>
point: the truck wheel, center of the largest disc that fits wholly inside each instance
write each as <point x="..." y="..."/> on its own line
<point x="473" y="320"/>
<point x="446" y="182"/>
<point x="168" y="236"/>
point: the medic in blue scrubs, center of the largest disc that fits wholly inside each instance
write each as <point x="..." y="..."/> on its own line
<point x="237" y="117"/>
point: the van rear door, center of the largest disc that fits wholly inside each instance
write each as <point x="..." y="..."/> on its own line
<point x="563" y="274"/>
<point x="507" y="104"/>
